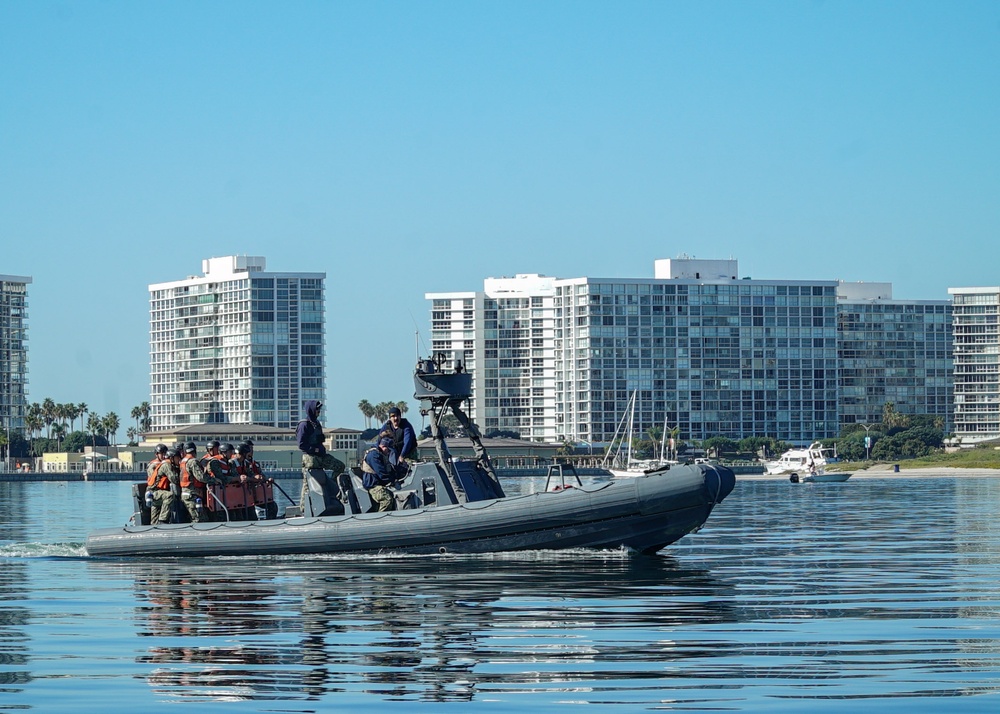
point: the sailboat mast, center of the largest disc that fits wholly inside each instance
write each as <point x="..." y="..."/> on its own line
<point x="631" y="422"/>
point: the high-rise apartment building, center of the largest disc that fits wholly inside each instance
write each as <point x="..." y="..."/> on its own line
<point x="704" y="351"/>
<point x="897" y="351"/>
<point x="505" y="336"/>
<point x="13" y="351"/>
<point x="976" y="378"/>
<point x="237" y="344"/>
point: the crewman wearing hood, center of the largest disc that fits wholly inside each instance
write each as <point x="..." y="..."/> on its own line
<point x="314" y="454"/>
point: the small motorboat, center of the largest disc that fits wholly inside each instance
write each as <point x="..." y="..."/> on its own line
<point x="446" y="506"/>
<point x="819" y="476"/>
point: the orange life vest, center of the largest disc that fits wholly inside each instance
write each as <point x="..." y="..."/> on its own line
<point x="187" y="480"/>
<point x="225" y="465"/>
<point x="159" y="480"/>
<point x="152" y="470"/>
<point x="247" y="467"/>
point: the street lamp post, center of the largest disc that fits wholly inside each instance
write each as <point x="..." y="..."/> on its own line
<point x="868" y="441"/>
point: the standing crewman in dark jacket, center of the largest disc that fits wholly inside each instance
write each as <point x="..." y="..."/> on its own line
<point x="404" y="438"/>
<point x="314" y="454"/>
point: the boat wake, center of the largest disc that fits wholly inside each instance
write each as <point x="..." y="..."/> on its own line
<point x="43" y="550"/>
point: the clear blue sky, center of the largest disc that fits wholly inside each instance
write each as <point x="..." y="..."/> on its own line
<point x="412" y="147"/>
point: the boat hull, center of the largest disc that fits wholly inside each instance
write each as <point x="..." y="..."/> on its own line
<point x="644" y="513"/>
<point x="832" y="477"/>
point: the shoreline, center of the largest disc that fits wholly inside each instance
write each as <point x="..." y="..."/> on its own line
<point x="886" y="471"/>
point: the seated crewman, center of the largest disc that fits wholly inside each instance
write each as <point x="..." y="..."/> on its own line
<point x="380" y="469"/>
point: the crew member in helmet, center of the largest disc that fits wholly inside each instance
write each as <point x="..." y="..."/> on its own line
<point x="251" y="474"/>
<point x="159" y="456"/>
<point x="166" y="479"/>
<point x="193" y="484"/>
<point x="215" y="464"/>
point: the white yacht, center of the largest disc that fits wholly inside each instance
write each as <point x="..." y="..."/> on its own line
<point x="813" y="458"/>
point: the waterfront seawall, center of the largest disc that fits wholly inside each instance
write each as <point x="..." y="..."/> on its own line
<point x="289" y="474"/>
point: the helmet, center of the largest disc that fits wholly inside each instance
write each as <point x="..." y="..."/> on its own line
<point x="171" y="453"/>
<point x="227" y="449"/>
<point x="213" y="444"/>
<point x="190" y="447"/>
<point x="243" y="449"/>
<point x="249" y="442"/>
<point x="160" y="449"/>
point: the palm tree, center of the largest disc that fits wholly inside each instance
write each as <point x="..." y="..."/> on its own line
<point x="33" y="423"/>
<point x="403" y="407"/>
<point x="95" y="425"/>
<point x="111" y="425"/>
<point x="60" y="431"/>
<point x="131" y="434"/>
<point x="382" y="411"/>
<point x="368" y="411"/>
<point x="48" y="415"/>
<point x="137" y="415"/>
<point x="891" y="417"/>
<point x="81" y="412"/>
<point x="62" y="414"/>
<point x="147" y="423"/>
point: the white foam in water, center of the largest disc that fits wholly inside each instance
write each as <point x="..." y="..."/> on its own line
<point x="43" y="550"/>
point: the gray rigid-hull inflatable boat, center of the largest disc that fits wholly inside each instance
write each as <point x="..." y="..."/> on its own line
<point x="448" y="506"/>
<point x="645" y="513"/>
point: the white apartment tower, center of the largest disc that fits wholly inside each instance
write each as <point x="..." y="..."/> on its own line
<point x="703" y="351"/>
<point x="976" y="325"/>
<point x="237" y="345"/>
<point x="505" y="337"/>
<point x="13" y="351"/>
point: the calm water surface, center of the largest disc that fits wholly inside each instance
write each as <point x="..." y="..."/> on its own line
<point x="874" y="594"/>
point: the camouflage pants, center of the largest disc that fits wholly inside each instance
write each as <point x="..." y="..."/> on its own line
<point x="383" y="498"/>
<point x="327" y="462"/>
<point x="190" y="503"/>
<point x="162" y="508"/>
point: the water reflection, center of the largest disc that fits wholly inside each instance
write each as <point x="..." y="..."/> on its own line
<point x="795" y="597"/>
<point x="14" y="620"/>
<point x="403" y="628"/>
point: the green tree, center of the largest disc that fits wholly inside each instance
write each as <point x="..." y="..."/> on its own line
<point x="75" y="441"/>
<point x="111" y="425"/>
<point x="33" y="425"/>
<point x="892" y="418"/>
<point x="382" y="411"/>
<point x="48" y="415"/>
<point x="95" y="425"/>
<point x="716" y="446"/>
<point x="146" y="423"/>
<point x="58" y="431"/>
<point x="81" y="412"/>
<point x="367" y="411"/>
